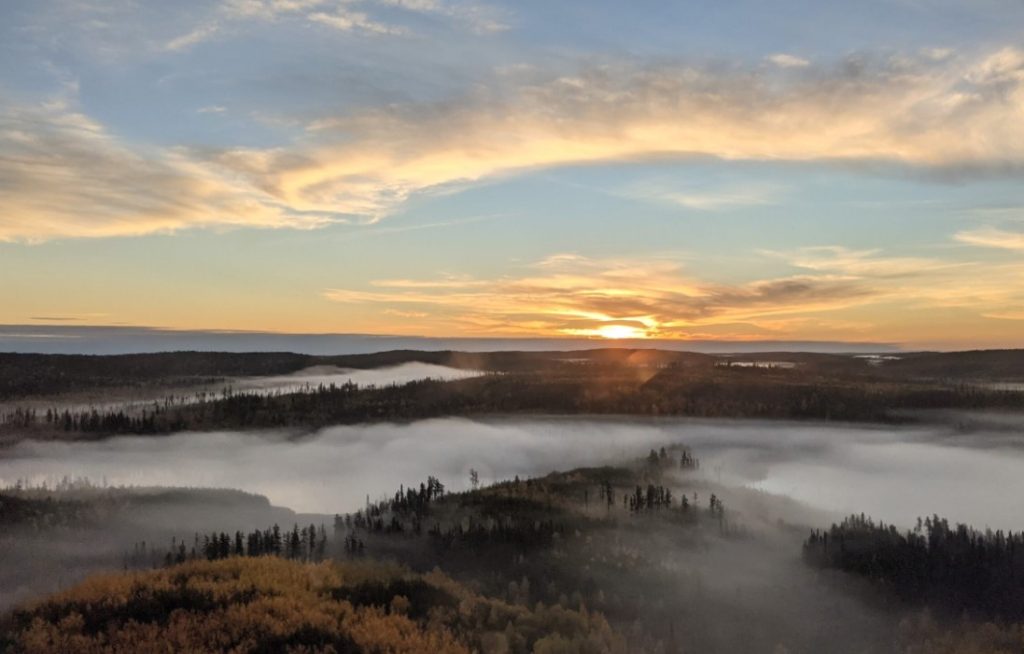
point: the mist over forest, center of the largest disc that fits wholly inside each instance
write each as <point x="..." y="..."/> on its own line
<point x="726" y="523"/>
<point x="893" y="474"/>
<point x="497" y="327"/>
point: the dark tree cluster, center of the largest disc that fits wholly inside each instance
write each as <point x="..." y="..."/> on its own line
<point x="301" y="543"/>
<point x="522" y="532"/>
<point x="503" y="520"/>
<point x="715" y="507"/>
<point x="353" y="546"/>
<point x="43" y="513"/>
<point x="402" y="512"/>
<point x="663" y="459"/>
<point x="651" y="499"/>
<point x="605" y="492"/>
<point x="687" y="461"/>
<point x="956" y="569"/>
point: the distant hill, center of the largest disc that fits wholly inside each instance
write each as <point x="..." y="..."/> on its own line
<point x="23" y="374"/>
<point x="974" y="365"/>
<point x="70" y="339"/>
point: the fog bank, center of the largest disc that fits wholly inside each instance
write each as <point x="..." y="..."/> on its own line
<point x="327" y="375"/>
<point x="894" y="474"/>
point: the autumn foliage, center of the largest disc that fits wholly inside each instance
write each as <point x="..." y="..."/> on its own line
<point x="266" y="604"/>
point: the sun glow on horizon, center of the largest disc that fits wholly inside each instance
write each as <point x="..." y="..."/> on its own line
<point x="615" y="332"/>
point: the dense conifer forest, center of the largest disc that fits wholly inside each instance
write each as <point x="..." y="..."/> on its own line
<point x="955" y="569"/>
<point x="840" y="391"/>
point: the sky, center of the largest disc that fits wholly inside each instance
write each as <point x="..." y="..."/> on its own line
<point x="735" y="171"/>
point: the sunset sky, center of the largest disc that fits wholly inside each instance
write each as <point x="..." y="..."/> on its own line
<point x="739" y="170"/>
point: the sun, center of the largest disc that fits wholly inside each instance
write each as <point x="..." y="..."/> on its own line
<point x="620" y="331"/>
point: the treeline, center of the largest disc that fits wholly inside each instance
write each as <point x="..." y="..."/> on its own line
<point x="24" y="375"/>
<point x="953" y="569"/>
<point x="91" y="421"/>
<point x="409" y="511"/>
<point x="308" y="544"/>
<point x="402" y="512"/>
<point x="304" y="544"/>
<point x="673" y="391"/>
<point x="38" y="514"/>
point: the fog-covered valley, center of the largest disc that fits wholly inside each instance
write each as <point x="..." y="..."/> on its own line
<point x="134" y="399"/>
<point x="893" y="473"/>
<point x="698" y="531"/>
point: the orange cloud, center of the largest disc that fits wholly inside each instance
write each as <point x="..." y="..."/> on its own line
<point x="612" y="298"/>
<point x="843" y="293"/>
<point x="64" y="175"/>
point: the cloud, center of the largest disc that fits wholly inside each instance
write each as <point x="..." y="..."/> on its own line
<point x="834" y="290"/>
<point x="991" y="237"/>
<point x="1009" y="314"/>
<point x="783" y="60"/>
<point x="480" y="18"/>
<point x="451" y="282"/>
<point x="706" y="199"/>
<point x="342" y="15"/>
<point x="192" y="37"/>
<point x="69" y="177"/>
<point x="63" y="175"/>
<point x="406" y="314"/>
<point x="911" y="283"/>
<point x="952" y="116"/>
<point x="575" y="295"/>
<point x="864" y="263"/>
<point x="348" y="21"/>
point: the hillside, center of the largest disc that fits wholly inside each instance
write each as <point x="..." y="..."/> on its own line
<point x="269" y="604"/>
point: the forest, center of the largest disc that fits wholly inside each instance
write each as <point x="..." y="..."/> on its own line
<point x="653" y="553"/>
<point x="643" y="383"/>
<point x="645" y="556"/>
<point x="267" y="604"/>
<point x="957" y="570"/>
<point x="27" y="375"/>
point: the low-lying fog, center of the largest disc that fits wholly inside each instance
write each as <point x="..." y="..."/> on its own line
<point x="134" y="400"/>
<point x="895" y="474"/>
<point x="327" y="375"/>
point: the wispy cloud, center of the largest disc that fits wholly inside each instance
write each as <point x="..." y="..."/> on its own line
<point x="580" y="296"/>
<point x="992" y="237"/>
<point x="342" y="15"/>
<point x="949" y="115"/>
<point x="74" y="318"/>
<point x="714" y="198"/>
<point x="192" y="37"/>
<point x="480" y="18"/>
<point x="445" y="283"/>
<point x="348" y="21"/>
<point x="837" y="291"/>
<point x="63" y="174"/>
<point x="783" y="60"/>
<point x="863" y="263"/>
<point x="70" y="177"/>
